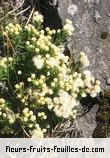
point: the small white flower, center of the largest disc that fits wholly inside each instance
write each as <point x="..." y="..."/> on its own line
<point x="19" y="72"/>
<point x="2" y="101"/>
<point x="84" y="60"/>
<point x="30" y="125"/>
<point x="93" y="94"/>
<point x="33" y="76"/>
<point x="97" y="88"/>
<point x="25" y="110"/>
<point x="68" y="21"/>
<point x="11" y="121"/>
<point x="56" y="100"/>
<point x="33" y="118"/>
<point x="37" y="17"/>
<point x="4" y="115"/>
<point x="68" y="28"/>
<point x="29" y="79"/>
<point x="30" y="113"/>
<point x="10" y="59"/>
<point x="83" y="95"/>
<point x="25" y="119"/>
<point x="97" y="82"/>
<point x="17" y="86"/>
<point x="37" y="133"/>
<point x="38" y="62"/>
<point x="66" y="102"/>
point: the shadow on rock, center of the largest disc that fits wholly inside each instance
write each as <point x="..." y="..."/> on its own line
<point x="48" y="10"/>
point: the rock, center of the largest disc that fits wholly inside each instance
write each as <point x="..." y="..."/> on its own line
<point x="97" y="2"/>
<point x="92" y="24"/>
<point x="87" y="122"/>
<point x="97" y="17"/>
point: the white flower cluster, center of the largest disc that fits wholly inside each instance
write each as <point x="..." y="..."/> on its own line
<point x="13" y="29"/>
<point x="28" y="115"/>
<point x="68" y="27"/>
<point x="92" y="87"/>
<point x="30" y="119"/>
<point x="31" y="29"/>
<point x="6" y="113"/>
<point x="83" y="59"/>
<point x="5" y="61"/>
<point x="38" y="132"/>
<point x="37" y="17"/>
<point x="69" y="86"/>
<point x="63" y="81"/>
<point x="49" y="85"/>
<point x="64" y="105"/>
<point x="38" y="62"/>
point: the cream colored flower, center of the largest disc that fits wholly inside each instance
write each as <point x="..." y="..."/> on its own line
<point x="68" y="28"/>
<point x="26" y="110"/>
<point x="33" y="118"/>
<point x="38" y="62"/>
<point x="37" y="17"/>
<point x="97" y="88"/>
<point x="83" y="95"/>
<point x="93" y="94"/>
<point x="37" y="133"/>
<point x="19" y="72"/>
<point x="84" y="60"/>
<point x="66" y="104"/>
<point x="97" y="82"/>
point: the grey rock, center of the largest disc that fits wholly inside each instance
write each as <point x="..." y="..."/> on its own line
<point x="97" y="17"/>
<point x="97" y="2"/>
<point x="87" y="123"/>
<point x="92" y="24"/>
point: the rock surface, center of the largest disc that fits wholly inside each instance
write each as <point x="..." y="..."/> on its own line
<point x="91" y="19"/>
<point x="87" y="122"/>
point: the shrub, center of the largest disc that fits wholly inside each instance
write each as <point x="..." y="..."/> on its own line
<point x="39" y="85"/>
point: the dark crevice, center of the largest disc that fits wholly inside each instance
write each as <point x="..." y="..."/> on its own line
<point x="48" y="10"/>
<point x="88" y="103"/>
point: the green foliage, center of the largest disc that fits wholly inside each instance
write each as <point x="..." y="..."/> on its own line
<point x="41" y="87"/>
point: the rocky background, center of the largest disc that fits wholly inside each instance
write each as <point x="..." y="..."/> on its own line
<point x="91" y="19"/>
<point x="92" y="23"/>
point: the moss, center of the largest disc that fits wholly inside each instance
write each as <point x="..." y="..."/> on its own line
<point x="103" y="117"/>
<point x="102" y="131"/>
